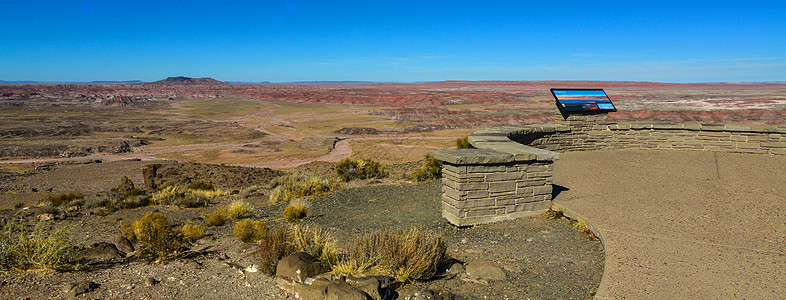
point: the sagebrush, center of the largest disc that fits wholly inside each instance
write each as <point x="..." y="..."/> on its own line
<point x="248" y="231"/>
<point x="37" y="249"/>
<point x="285" y="241"/>
<point x="349" y="169"/>
<point x="430" y="169"/>
<point x="296" y="210"/>
<point x="298" y="186"/>
<point x="154" y="237"/>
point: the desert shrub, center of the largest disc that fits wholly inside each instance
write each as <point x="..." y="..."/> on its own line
<point x="248" y="231"/>
<point x="239" y="209"/>
<point x="19" y="205"/>
<point x="192" y="232"/>
<point x="175" y="195"/>
<point x="130" y="202"/>
<point x="299" y="186"/>
<point x="288" y="240"/>
<point x="273" y="248"/>
<point x="349" y="169"/>
<point x="133" y="192"/>
<point x="61" y="199"/>
<point x="217" y="218"/>
<point x="431" y="169"/>
<point x="405" y="255"/>
<point x="463" y="143"/>
<point x="555" y="214"/>
<point x="168" y="195"/>
<point x="39" y="249"/>
<point x="154" y="237"/>
<point x="201" y="185"/>
<point x="296" y="210"/>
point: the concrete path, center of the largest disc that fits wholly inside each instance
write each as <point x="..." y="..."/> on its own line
<point x="681" y="224"/>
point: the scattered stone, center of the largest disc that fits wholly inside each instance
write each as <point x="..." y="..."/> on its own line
<point x="124" y="245"/>
<point x="299" y="266"/>
<point x="80" y="287"/>
<point x="150" y="281"/>
<point x="483" y="269"/>
<point x="46" y="217"/>
<point x="124" y="186"/>
<point x="430" y="295"/>
<point x="98" y="253"/>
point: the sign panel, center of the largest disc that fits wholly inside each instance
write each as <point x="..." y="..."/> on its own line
<point x="582" y="100"/>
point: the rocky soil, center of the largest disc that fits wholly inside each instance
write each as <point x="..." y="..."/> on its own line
<point x="533" y="257"/>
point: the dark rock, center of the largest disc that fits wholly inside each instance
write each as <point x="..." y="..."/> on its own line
<point x="315" y="290"/>
<point x="124" y="245"/>
<point x="124" y="186"/>
<point x="483" y="269"/>
<point x="100" y="252"/>
<point x="369" y="285"/>
<point x="340" y="290"/>
<point x="80" y="287"/>
<point x="299" y="266"/>
<point x="150" y="281"/>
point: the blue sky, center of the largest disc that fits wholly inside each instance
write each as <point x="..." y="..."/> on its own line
<point x="666" y="41"/>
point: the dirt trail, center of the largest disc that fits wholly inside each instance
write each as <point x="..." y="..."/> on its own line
<point x="341" y="150"/>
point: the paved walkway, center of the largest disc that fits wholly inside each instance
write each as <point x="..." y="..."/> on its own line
<point x="682" y="224"/>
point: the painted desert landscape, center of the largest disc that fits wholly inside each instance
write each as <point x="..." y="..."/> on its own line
<point x="190" y="186"/>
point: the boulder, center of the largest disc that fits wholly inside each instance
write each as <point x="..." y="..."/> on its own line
<point x="78" y="288"/>
<point x="99" y="253"/>
<point x="124" y="245"/>
<point x="298" y="266"/>
<point x="320" y="289"/>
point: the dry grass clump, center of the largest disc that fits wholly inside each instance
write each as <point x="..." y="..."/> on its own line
<point x="192" y="232"/>
<point x="201" y="185"/>
<point x="217" y="218"/>
<point x="154" y="237"/>
<point x="349" y="169"/>
<point x="463" y="143"/>
<point x="431" y="169"/>
<point x="405" y="255"/>
<point x="61" y="199"/>
<point x="175" y="195"/>
<point x="291" y="239"/>
<point x="39" y="249"/>
<point x="298" y="186"/>
<point x="296" y="210"/>
<point x="248" y="231"/>
<point x="239" y="209"/>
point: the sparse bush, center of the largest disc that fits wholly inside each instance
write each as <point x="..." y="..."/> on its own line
<point x="19" y="205"/>
<point x="248" y="231"/>
<point x="463" y="143"/>
<point x="431" y="169"/>
<point x="405" y="255"/>
<point x="133" y="193"/>
<point x="192" y="232"/>
<point x="555" y="214"/>
<point x="64" y="198"/>
<point x="201" y="185"/>
<point x="130" y="202"/>
<point x="296" y="210"/>
<point x="299" y="186"/>
<point x="217" y="217"/>
<point x="154" y="237"/>
<point x="285" y="241"/>
<point x="239" y="209"/>
<point x="189" y="198"/>
<point x="348" y="169"/>
<point x="22" y="249"/>
<point x="273" y="248"/>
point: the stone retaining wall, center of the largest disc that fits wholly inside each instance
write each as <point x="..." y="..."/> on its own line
<point x="510" y="173"/>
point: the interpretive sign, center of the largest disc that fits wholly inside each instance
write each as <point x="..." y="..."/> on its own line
<point x="582" y="100"/>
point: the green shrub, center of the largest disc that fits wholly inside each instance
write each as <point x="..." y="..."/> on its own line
<point x="217" y="218"/>
<point x="64" y="198"/>
<point x="431" y="169"/>
<point x="248" y="231"/>
<point x="298" y="186"/>
<point x="348" y="169"/>
<point x="39" y="249"/>
<point x="405" y="255"/>
<point x="192" y="232"/>
<point x="296" y="210"/>
<point x="154" y="237"/>
<point x="189" y="198"/>
<point x="239" y="209"/>
<point x="168" y="195"/>
<point x="201" y="185"/>
<point x="463" y="143"/>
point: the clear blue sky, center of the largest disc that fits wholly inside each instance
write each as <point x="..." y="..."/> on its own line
<point x="668" y="41"/>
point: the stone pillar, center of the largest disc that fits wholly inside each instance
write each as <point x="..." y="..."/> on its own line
<point x="484" y="186"/>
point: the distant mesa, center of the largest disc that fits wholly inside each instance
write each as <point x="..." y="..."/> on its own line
<point x="189" y="81"/>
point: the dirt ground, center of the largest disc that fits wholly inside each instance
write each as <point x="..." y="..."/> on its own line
<point x="543" y="258"/>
